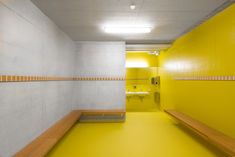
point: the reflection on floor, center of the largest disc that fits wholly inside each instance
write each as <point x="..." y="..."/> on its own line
<point x="144" y="134"/>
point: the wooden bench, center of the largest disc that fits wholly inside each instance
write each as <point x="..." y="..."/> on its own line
<point x="44" y="143"/>
<point x="103" y="116"/>
<point x="103" y="112"/>
<point x="218" y="139"/>
<point x="47" y="140"/>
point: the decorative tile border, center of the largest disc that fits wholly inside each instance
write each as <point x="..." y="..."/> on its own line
<point x="13" y="78"/>
<point x="207" y="78"/>
<point x="10" y="78"/>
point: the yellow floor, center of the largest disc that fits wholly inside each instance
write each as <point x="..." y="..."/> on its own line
<point x="146" y="134"/>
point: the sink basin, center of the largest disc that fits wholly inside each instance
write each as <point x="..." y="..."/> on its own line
<point x="137" y="93"/>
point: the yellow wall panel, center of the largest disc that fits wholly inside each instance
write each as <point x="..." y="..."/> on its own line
<point x="208" y="50"/>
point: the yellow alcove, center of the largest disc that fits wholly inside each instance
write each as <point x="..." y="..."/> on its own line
<point x="142" y="92"/>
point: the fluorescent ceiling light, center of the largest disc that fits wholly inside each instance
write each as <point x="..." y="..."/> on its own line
<point x="136" y="64"/>
<point x="138" y="51"/>
<point x="127" y="30"/>
<point x="147" y="47"/>
<point x="154" y="52"/>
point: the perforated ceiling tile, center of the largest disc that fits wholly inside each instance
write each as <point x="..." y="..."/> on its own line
<point x="85" y="19"/>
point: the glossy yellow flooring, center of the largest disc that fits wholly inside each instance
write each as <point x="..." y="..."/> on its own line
<point x="144" y="134"/>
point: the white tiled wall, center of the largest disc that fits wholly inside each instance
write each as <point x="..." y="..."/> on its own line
<point x="30" y="44"/>
<point x="100" y="59"/>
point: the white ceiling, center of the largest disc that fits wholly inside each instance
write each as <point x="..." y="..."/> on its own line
<point x="84" y="20"/>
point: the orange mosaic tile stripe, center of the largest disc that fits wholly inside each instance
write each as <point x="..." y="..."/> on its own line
<point x="10" y="78"/>
<point x="207" y="78"/>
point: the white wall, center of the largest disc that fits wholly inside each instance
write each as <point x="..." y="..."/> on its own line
<point x="100" y="59"/>
<point x="30" y="44"/>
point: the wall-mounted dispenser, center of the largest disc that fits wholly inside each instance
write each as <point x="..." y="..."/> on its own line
<point x="155" y="80"/>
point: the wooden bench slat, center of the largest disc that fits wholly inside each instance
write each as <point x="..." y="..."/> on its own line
<point x="220" y="140"/>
